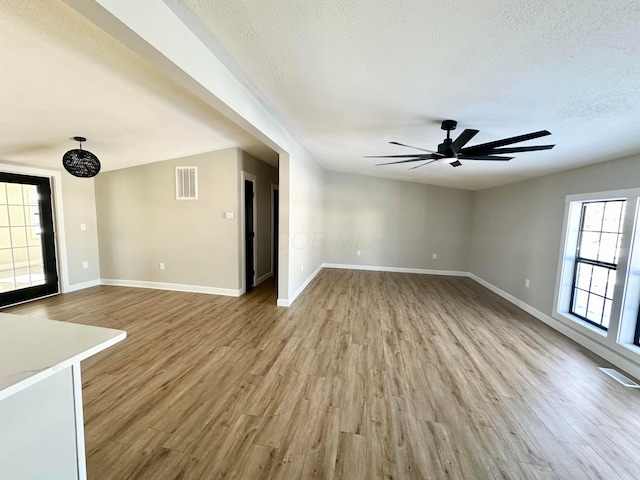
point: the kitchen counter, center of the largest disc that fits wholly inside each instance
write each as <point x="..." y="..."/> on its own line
<point x="41" y="395"/>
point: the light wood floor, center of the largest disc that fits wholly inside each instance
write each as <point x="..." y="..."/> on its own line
<point x="369" y="375"/>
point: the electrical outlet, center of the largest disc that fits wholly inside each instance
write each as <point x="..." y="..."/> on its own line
<point x="85" y="264"/>
<point x="161" y="265"/>
<point x="526" y="283"/>
<point x="434" y="256"/>
<point x="358" y="252"/>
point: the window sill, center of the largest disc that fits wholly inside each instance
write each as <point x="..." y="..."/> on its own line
<point x="578" y="321"/>
<point x="631" y="348"/>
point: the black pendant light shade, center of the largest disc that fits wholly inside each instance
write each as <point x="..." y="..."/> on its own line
<point x="81" y="163"/>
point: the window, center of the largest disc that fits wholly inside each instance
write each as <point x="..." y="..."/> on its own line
<point x="596" y="261"/>
<point x="598" y="283"/>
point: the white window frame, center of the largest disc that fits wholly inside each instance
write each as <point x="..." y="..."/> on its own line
<point x="626" y="298"/>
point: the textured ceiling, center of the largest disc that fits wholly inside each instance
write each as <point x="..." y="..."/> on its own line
<point x="61" y="76"/>
<point x="345" y="77"/>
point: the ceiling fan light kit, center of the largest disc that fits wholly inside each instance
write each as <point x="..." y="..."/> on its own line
<point x="452" y="151"/>
<point x="81" y="163"/>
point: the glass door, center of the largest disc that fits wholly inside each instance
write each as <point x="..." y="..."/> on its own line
<point x="27" y="244"/>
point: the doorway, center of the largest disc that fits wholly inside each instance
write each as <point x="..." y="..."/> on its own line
<point x="275" y="215"/>
<point x="249" y="231"/>
<point x="27" y="244"/>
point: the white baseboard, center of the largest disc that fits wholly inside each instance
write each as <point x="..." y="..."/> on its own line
<point x="264" y="277"/>
<point x="612" y="356"/>
<point x="178" y="287"/>
<point x="374" y="268"/>
<point x="287" y="302"/>
<point x="81" y="286"/>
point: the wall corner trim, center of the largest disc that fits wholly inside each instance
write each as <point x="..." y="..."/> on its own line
<point x="178" y="287"/>
<point x="284" y="302"/>
<point x="600" y="349"/>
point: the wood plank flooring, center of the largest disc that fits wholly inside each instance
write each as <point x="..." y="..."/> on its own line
<point x="368" y="376"/>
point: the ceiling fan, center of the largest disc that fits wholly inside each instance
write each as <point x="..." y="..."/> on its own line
<point x="452" y="151"/>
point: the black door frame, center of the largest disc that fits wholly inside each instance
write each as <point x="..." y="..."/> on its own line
<point x="248" y="283"/>
<point x="48" y="241"/>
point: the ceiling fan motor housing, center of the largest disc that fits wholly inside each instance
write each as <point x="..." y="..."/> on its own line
<point x="445" y="149"/>
<point x="449" y="125"/>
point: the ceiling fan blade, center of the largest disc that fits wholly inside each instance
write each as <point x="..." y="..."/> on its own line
<point x="455" y="164"/>
<point x="505" y="141"/>
<point x="417" y="148"/>
<point x="416" y="159"/>
<point x="417" y="155"/>
<point x="500" y="151"/>
<point x="484" y="157"/>
<point x="413" y="168"/>
<point x="464" y="138"/>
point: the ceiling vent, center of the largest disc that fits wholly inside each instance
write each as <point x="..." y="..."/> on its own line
<point x="186" y="183"/>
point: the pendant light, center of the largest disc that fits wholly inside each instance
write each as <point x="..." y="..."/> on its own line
<point x="81" y="163"/>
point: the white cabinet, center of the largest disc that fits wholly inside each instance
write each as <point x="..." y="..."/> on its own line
<point x="41" y="421"/>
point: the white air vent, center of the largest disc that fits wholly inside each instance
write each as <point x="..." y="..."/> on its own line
<point x="186" y="183"/>
<point x="619" y="377"/>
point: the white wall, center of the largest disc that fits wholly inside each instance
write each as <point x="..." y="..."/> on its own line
<point x="396" y="224"/>
<point x="304" y="197"/>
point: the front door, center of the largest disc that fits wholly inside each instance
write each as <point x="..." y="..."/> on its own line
<point x="27" y="245"/>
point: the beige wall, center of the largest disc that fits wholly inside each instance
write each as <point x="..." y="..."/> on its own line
<point x="140" y="223"/>
<point x="396" y="224"/>
<point x="266" y="176"/>
<point x="78" y="197"/>
<point x="517" y="227"/>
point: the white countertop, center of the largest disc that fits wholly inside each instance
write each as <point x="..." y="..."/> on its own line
<point x="32" y="349"/>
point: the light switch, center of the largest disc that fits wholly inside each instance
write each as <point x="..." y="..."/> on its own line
<point x="228" y="215"/>
<point x="83" y="227"/>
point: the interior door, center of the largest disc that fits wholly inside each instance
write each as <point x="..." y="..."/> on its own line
<point x="249" y="235"/>
<point x="27" y="244"/>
